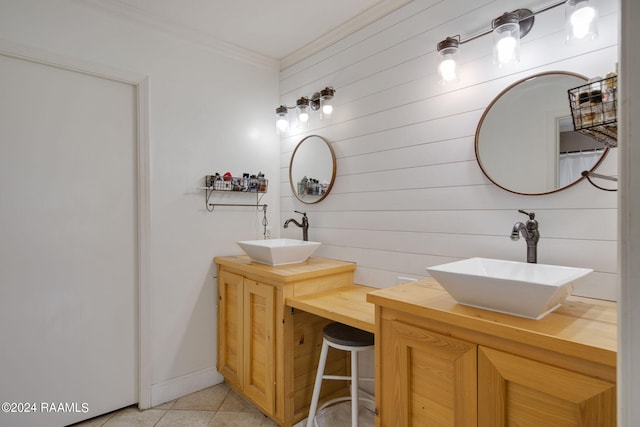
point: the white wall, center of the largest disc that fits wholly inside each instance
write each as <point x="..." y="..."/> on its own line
<point x="408" y="192"/>
<point x="200" y="122"/>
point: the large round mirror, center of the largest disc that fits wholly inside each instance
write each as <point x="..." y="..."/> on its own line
<point x="312" y="169"/>
<point x="525" y="142"/>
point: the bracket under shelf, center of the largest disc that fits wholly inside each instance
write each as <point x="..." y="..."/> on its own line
<point x="211" y="206"/>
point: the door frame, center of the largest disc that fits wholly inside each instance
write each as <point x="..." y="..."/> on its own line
<point x="141" y="84"/>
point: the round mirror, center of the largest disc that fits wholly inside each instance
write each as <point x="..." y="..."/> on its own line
<point x="525" y="142"/>
<point x="312" y="169"/>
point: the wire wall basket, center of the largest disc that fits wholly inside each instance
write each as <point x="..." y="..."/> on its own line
<point x="594" y="110"/>
<point x="245" y="184"/>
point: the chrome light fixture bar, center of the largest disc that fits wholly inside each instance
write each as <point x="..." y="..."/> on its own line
<point x="320" y="101"/>
<point x="510" y="27"/>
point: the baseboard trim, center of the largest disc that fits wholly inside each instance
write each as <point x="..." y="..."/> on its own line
<point x="181" y="386"/>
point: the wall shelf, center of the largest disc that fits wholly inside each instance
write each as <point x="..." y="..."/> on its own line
<point x="251" y="186"/>
<point x="238" y="185"/>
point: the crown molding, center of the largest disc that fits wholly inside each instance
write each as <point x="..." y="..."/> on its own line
<point x="123" y="10"/>
<point x="367" y="17"/>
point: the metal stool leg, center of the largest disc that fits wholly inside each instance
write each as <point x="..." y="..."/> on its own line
<point x="354" y="389"/>
<point x="318" y="384"/>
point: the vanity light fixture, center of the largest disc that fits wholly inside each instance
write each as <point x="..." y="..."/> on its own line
<point x="325" y="102"/>
<point x="448" y="65"/>
<point x="510" y="27"/>
<point x="507" y="31"/>
<point x="321" y="100"/>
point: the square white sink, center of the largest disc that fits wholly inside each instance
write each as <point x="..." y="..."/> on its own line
<point x="518" y="288"/>
<point x="278" y="251"/>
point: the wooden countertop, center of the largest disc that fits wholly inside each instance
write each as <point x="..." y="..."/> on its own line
<point x="311" y="268"/>
<point x="581" y="327"/>
<point x="346" y="305"/>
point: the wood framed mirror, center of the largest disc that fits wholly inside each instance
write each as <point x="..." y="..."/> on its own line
<point x="525" y="142"/>
<point x="312" y="170"/>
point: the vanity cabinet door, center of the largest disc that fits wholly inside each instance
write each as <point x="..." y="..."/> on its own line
<point x="246" y="341"/>
<point x="513" y="390"/>
<point x="427" y="379"/>
<point x="259" y="344"/>
<point x="230" y="327"/>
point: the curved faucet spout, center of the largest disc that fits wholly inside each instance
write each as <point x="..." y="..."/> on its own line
<point x="304" y="225"/>
<point x="530" y="233"/>
<point x="517" y="229"/>
<point x="286" y="223"/>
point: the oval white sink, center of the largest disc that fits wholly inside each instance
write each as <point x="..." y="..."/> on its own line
<point x="278" y="251"/>
<point x="518" y="288"/>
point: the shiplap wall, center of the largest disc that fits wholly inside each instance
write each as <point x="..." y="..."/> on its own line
<point x="408" y="192"/>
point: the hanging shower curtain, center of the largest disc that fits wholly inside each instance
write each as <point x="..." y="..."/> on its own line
<point x="571" y="165"/>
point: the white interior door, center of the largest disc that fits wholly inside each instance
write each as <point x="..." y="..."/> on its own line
<point x="68" y="267"/>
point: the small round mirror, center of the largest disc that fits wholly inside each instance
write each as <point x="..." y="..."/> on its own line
<point x="312" y="170"/>
<point x="525" y="142"/>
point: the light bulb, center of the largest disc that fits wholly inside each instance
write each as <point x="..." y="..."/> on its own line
<point x="506" y="49"/>
<point x="303" y="117"/>
<point x="448" y="69"/>
<point x="282" y="125"/>
<point x="326" y="103"/>
<point x="302" y="106"/>
<point x="326" y="109"/>
<point x="582" y="21"/>
<point x="282" y="121"/>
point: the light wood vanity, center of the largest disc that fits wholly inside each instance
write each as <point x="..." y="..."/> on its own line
<point x="439" y="363"/>
<point x="268" y="351"/>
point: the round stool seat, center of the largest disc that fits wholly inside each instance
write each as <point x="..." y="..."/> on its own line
<point x="340" y="334"/>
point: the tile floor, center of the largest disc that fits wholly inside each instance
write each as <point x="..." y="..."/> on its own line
<point x="217" y="406"/>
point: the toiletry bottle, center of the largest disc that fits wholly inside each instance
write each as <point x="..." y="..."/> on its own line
<point x="245" y="181"/>
<point x="609" y="98"/>
<point x="595" y="98"/>
<point x="302" y="186"/>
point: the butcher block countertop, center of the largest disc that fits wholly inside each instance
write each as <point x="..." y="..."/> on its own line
<point x="346" y="305"/>
<point x="581" y="327"/>
<point x="312" y="268"/>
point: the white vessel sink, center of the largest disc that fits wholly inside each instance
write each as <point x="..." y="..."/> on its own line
<point x="278" y="251"/>
<point x="518" y="288"/>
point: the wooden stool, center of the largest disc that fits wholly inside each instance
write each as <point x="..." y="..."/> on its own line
<point x="346" y="338"/>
